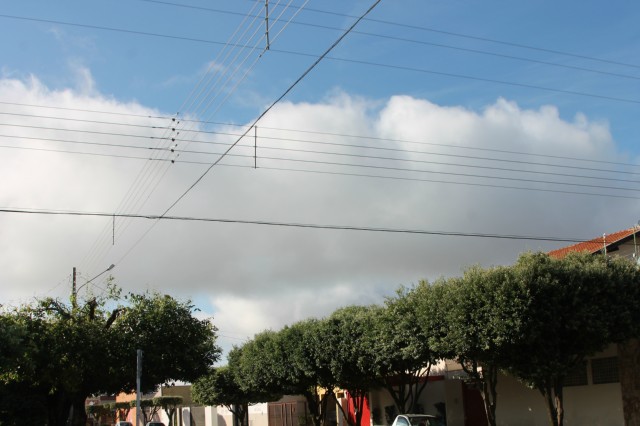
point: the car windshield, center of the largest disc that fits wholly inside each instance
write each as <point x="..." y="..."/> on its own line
<point x="421" y="421"/>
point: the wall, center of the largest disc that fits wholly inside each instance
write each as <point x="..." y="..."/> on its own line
<point x="258" y="415"/>
<point x="593" y="404"/>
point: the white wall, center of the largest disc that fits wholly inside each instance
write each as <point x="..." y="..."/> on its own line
<point x="584" y="405"/>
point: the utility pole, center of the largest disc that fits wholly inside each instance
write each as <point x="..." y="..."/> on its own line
<point x="138" y="377"/>
<point x="73" y="289"/>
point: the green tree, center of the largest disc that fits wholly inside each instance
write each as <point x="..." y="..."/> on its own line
<point x="176" y="345"/>
<point x="477" y="320"/>
<point x="72" y="352"/>
<point x="261" y="364"/>
<point x="307" y="374"/>
<point x="121" y="409"/>
<point x="64" y="360"/>
<point x="345" y="344"/>
<point x="220" y="387"/>
<point x="169" y="404"/>
<point x="284" y="363"/>
<point x="403" y="354"/>
<point x="12" y="345"/>
<point x="580" y="305"/>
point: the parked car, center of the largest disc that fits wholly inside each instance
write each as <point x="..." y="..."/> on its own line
<point x="417" y="420"/>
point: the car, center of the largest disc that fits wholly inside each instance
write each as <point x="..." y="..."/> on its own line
<point x="416" y="420"/>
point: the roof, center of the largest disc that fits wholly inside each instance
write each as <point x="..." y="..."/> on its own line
<point x="596" y="244"/>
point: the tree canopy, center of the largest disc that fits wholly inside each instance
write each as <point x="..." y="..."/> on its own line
<point x="578" y="306"/>
<point x="477" y="320"/>
<point x="64" y="353"/>
<point x="556" y="312"/>
<point x="403" y="355"/>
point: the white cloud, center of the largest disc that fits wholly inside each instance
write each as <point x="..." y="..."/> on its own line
<point x="85" y="85"/>
<point x="252" y="277"/>
<point x="239" y="317"/>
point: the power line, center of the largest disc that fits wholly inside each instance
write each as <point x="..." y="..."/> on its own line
<point x="285" y="93"/>
<point x="473" y="37"/>
<point x="344" y="135"/>
<point x="351" y="155"/>
<point x="415" y="27"/>
<point x="469" y="77"/>
<point x="407" y="40"/>
<point x="349" y="60"/>
<point x="361" y="175"/>
<point x="294" y="225"/>
<point x="473" y="184"/>
<point x="152" y="174"/>
<point x="336" y="144"/>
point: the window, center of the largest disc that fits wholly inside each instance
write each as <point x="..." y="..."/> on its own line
<point x="577" y="376"/>
<point x="605" y="370"/>
<point x="401" y="421"/>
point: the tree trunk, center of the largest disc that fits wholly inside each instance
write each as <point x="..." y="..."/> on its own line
<point x="245" y="415"/>
<point x="559" y="398"/>
<point x="58" y="407"/>
<point x="315" y="407"/>
<point x="420" y="386"/>
<point x="79" y="417"/>
<point x="170" y="414"/>
<point x="488" y="384"/>
<point x="240" y="414"/>
<point x="551" y="400"/>
<point x="359" y="399"/>
<point x="403" y="395"/>
<point x="486" y="378"/>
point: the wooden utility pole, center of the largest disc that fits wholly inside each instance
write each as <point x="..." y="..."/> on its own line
<point x="73" y="289"/>
<point x="138" y="393"/>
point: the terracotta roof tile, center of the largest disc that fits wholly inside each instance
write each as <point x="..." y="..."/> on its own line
<point x="594" y="245"/>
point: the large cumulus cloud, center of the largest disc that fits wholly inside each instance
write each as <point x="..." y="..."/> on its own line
<point x="252" y="277"/>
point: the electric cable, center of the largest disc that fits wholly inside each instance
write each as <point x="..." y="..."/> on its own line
<point x="152" y="174"/>
<point x="296" y="225"/>
<point x="304" y="141"/>
<point x="335" y="173"/>
<point x="415" y="27"/>
<point x="345" y="135"/>
<point x="471" y="37"/>
<point x="351" y="155"/>
<point x="285" y="93"/>
<point x="360" y="62"/>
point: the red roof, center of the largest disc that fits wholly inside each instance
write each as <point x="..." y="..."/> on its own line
<point x="595" y="245"/>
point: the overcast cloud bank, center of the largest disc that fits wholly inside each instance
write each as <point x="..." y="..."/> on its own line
<point x="414" y="165"/>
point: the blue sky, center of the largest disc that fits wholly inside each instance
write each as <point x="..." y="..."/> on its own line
<point x="160" y="71"/>
<point x="473" y="117"/>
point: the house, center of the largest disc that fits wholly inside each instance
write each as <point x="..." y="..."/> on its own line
<point x="625" y="358"/>
<point x="605" y="390"/>
<point x="624" y="243"/>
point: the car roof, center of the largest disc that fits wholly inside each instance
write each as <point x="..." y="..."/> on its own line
<point x="425" y="416"/>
